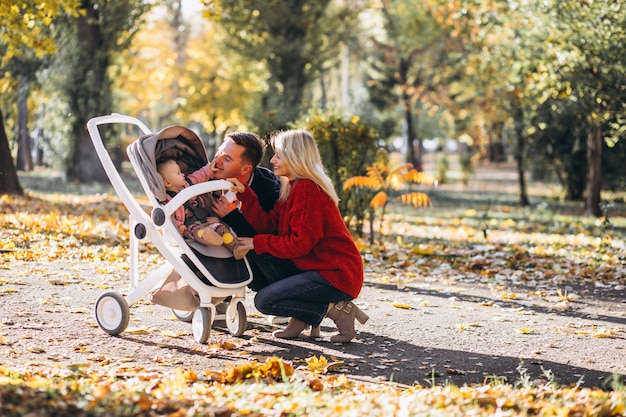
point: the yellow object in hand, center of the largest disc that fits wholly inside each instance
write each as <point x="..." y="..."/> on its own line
<point x="228" y="238"/>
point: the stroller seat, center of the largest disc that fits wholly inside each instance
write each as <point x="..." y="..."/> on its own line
<point x="204" y="274"/>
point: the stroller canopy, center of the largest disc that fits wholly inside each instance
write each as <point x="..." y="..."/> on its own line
<point x="172" y="142"/>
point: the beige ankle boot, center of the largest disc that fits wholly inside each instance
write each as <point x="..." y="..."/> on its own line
<point x="343" y="314"/>
<point x="292" y="331"/>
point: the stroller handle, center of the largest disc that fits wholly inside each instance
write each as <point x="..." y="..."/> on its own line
<point x="116" y="180"/>
<point x="159" y="213"/>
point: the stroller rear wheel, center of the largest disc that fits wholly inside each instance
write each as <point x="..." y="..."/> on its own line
<point x="183" y="315"/>
<point x="112" y="312"/>
<point x="236" y="319"/>
<point x="201" y="324"/>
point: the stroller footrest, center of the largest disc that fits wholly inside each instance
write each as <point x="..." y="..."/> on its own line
<point x="224" y="270"/>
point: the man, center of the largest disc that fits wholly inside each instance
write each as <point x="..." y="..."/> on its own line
<point x="238" y="157"/>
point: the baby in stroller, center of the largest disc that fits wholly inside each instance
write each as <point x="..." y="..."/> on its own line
<point x="193" y="277"/>
<point x="194" y="219"/>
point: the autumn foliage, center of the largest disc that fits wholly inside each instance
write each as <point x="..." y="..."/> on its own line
<point x="390" y="183"/>
<point x="137" y="392"/>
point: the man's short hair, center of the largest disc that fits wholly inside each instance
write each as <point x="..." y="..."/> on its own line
<point x="252" y="144"/>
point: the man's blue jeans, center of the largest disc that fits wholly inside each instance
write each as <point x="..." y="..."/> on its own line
<point x="304" y="296"/>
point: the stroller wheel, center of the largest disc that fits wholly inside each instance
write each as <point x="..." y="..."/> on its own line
<point x="183" y="315"/>
<point x="201" y="324"/>
<point x="112" y="312"/>
<point x="236" y="319"/>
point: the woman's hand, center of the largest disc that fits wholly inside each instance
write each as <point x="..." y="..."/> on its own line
<point x="245" y="243"/>
<point x="237" y="187"/>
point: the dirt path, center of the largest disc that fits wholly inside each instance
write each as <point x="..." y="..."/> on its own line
<point x="434" y="330"/>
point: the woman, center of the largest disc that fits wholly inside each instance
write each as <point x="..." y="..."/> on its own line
<point x="306" y="226"/>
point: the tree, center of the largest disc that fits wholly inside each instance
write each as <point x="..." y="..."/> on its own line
<point x="593" y="74"/>
<point x="89" y="45"/>
<point x="24" y="32"/>
<point x="401" y="60"/>
<point x="561" y="141"/>
<point x="580" y="77"/>
<point x="421" y="51"/>
<point x="293" y="41"/>
<point x="9" y="183"/>
<point x="192" y="80"/>
<point x="511" y="57"/>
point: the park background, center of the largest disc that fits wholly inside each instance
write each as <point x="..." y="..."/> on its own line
<point x="537" y="83"/>
<point x="515" y="108"/>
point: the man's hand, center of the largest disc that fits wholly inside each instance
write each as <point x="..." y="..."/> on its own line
<point x="221" y="206"/>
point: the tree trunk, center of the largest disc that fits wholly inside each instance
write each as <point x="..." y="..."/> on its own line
<point x="92" y="97"/>
<point x="414" y="158"/>
<point x="39" y="156"/>
<point x="520" y="148"/>
<point x="594" y="171"/>
<point x="9" y="183"/>
<point x="24" y="148"/>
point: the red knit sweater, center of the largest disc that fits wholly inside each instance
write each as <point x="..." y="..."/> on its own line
<point x="309" y="230"/>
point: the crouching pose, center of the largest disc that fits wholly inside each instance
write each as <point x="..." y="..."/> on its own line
<point x="306" y="227"/>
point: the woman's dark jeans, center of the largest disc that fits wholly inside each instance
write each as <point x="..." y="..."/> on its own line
<point x="267" y="269"/>
<point x="304" y="296"/>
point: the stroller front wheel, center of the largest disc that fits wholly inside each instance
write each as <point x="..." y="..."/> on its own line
<point x="201" y="324"/>
<point x="236" y="319"/>
<point x="112" y="312"/>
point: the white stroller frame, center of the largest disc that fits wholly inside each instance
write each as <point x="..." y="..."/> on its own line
<point x="112" y="309"/>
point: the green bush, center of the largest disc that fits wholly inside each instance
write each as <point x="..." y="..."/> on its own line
<point x="347" y="147"/>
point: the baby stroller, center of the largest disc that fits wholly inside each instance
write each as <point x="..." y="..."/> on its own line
<point x="211" y="271"/>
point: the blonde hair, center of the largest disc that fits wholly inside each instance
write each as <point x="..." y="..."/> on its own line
<point x="298" y="150"/>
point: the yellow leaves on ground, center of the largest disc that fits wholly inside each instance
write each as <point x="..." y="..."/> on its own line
<point x="401" y="305"/>
<point x="508" y="296"/>
<point x="466" y="326"/>
<point x="173" y="335"/>
<point x="583" y="329"/>
<point x="137" y="330"/>
<point x="274" y="369"/>
<point x="423" y="250"/>
<point x="58" y="226"/>
<point x="602" y="333"/>
<point x="320" y="365"/>
<point x="222" y="345"/>
<point x="133" y="390"/>
<point x="564" y="296"/>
